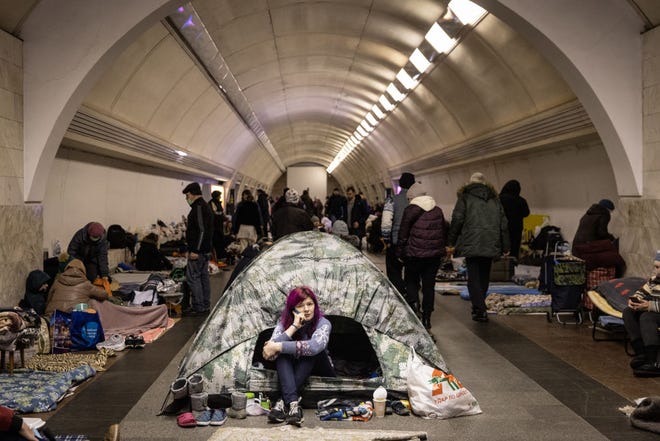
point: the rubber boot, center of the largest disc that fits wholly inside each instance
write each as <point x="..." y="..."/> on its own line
<point x="199" y="401"/>
<point x="195" y="384"/>
<point x="238" y="404"/>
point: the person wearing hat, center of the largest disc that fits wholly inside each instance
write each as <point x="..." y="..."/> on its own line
<point x="641" y="319"/>
<point x="199" y="239"/>
<point x="479" y="232"/>
<point x="290" y="218"/>
<point x="90" y="245"/>
<point x="390" y="224"/>
<point x="594" y="244"/>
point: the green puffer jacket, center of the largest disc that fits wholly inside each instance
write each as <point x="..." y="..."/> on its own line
<point x="478" y="225"/>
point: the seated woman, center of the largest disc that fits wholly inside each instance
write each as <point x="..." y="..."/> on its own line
<point x="72" y="287"/>
<point x="642" y="319"/>
<point x="299" y="348"/>
<point x="149" y="257"/>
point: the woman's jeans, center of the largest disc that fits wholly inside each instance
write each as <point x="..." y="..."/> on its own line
<point x="294" y="372"/>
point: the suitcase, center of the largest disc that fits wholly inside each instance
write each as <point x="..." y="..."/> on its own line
<point x="564" y="278"/>
<point x="502" y="269"/>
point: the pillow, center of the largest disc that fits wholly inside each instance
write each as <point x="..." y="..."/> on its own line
<point x="617" y="291"/>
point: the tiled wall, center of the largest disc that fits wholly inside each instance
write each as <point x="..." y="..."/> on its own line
<point x="21" y="229"/>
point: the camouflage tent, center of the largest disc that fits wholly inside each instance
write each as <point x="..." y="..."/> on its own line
<point x="349" y="287"/>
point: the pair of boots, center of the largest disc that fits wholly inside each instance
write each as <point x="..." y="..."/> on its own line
<point x="645" y="363"/>
<point x="188" y="394"/>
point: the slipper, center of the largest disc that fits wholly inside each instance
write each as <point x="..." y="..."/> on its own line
<point x="186" y="419"/>
<point x="399" y="408"/>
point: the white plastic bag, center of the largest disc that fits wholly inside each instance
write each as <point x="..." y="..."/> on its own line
<point x="436" y="394"/>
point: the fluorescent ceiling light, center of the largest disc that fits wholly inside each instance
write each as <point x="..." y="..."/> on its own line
<point x="419" y="61"/>
<point x="181" y="153"/>
<point x="385" y="103"/>
<point x="394" y="93"/>
<point x="358" y="135"/>
<point x="379" y="113"/>
<point x="355" y="140"/>
<point x="439" y="39"/>
<point x="406" y="79"/>
<point x="466" y="11"/>
<point x="373" y="121"/>
<point x="366" y="126"/>
<point x="362" y="132"/>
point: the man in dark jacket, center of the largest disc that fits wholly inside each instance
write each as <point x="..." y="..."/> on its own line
<point x="356" y="215"/>
<point x="593" y="225"/>
<point x="336" y="208"/>
<point x="264" y="210"/>
<point x="515" y="209"/>
<point x="218" y="225"/>
<point x="90" y="246"/>
<point x="290" y="218"/>
<point x="199" y="238"/>
<point x="479" y="232"/>
<point x="421" y="243"/>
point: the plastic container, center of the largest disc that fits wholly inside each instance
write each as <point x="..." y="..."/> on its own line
<point x="380" y="399"/>
<point x="80" y="307"/>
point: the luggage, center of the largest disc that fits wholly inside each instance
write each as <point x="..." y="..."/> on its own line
<point x="502" y="269"/>
<point x="564" y="278"/>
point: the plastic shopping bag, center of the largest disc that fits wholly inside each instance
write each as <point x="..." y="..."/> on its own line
<point x="437" y="394"/>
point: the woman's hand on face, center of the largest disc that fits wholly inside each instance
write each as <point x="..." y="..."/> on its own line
<point x="298" y="320"/>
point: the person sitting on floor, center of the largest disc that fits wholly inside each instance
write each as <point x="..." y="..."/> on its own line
<point x="36" y="291"/>
<point x="299" y="348"/>
<point x="13" y="427"/>
<point x="72" y="287"/>
<point x="641" y="319"/>
<point x="149" y="257"/>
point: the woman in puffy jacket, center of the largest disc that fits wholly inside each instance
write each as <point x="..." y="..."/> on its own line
<point x="71" y="288"/>
<point x="421" y="245"/>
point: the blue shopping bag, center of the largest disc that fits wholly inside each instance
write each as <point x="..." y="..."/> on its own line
<point x="86" y="330"/>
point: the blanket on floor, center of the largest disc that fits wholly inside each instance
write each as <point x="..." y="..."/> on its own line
<point x="493" y="288"/>
<point x="290" y="433"/>
<point x="29" y="391"/>
<point x="69" y="361"/>
<point x="507" y="304"/>
<point x="127" y="320"/>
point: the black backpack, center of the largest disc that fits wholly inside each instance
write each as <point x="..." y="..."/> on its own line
<point x="116" y="236"/>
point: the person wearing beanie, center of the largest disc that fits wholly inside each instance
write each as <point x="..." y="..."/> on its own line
<point x="479" y="232"/>
<point x="641" y="319"/>
<point x="593" y="242"/>
<point x="390" y="224"/>
<point x="291" y="218"/>
<point x="13" y="427"/>
<point x="89" y="244"/>
<point x="199" y="240"/>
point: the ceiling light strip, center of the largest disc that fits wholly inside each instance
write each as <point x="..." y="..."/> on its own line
<point x="188" y="27"/>
<point x="461" y="14"/>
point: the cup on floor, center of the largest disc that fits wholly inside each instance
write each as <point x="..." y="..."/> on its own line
<point x="379" y="407"/>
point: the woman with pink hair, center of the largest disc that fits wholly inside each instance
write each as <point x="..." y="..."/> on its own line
<point x="299" y="348"/>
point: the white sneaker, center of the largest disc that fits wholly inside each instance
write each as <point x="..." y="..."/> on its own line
<point x="114" y="342"/>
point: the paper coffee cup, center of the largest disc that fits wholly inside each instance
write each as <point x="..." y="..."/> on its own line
<point x="379" y="407"/>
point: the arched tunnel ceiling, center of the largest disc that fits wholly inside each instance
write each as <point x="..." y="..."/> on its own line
<point x="310" y="72"/>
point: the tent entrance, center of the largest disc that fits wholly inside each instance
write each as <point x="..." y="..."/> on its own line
<point x="350" y="350"/>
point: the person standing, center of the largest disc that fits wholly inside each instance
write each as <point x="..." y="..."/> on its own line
<point x="421" y="245"/>
<point x="218" y="225"/>
<point x="356" y="215"/>
<point x="515" y="209"/>
<point x="478" y="232"/>
<point x="390" y="224"/>
<point x="199" y="238"/>
<point x="290" y="218"/>
<point x="90" y="246"/>
<point x="246" y="223"/>
<point x="336" y="209"/>
<point x="264" y="210"/>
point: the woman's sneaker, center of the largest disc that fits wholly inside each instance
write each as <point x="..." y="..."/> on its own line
<point x="277" y="414"/>
<point x="114" y="342"/>
<point x="295" y="415"/>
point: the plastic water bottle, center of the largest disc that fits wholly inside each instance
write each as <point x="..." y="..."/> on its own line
<point x="380" y="397"/>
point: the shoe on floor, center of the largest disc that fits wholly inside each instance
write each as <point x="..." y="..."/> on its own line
<point x="399" y="408"/>
<point x="637" y="361"/>
<point x="203" y="417"/>
<point x="218" y="417"/>
<point x="114" y="342"/>
<point x="295" y="415"/>
<point x="648" y="370"/>
<point x="112" y="434"/>
<point x="186" y="419"/>
<point x="277" y="413"/>
<point x="480" y="317"/>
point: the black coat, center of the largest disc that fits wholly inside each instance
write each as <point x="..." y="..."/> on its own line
<point x="422" y="232"/>
<point x="593" y="225"/>
<point x="34" y="298"/>
<point x="515" y="209"/>
<point x="247" y="213"/>
<point x="90" y="252"/>
<point x="199" y="230"/>
<point x="149" y="258"/>
<point x="290" y="219"/>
